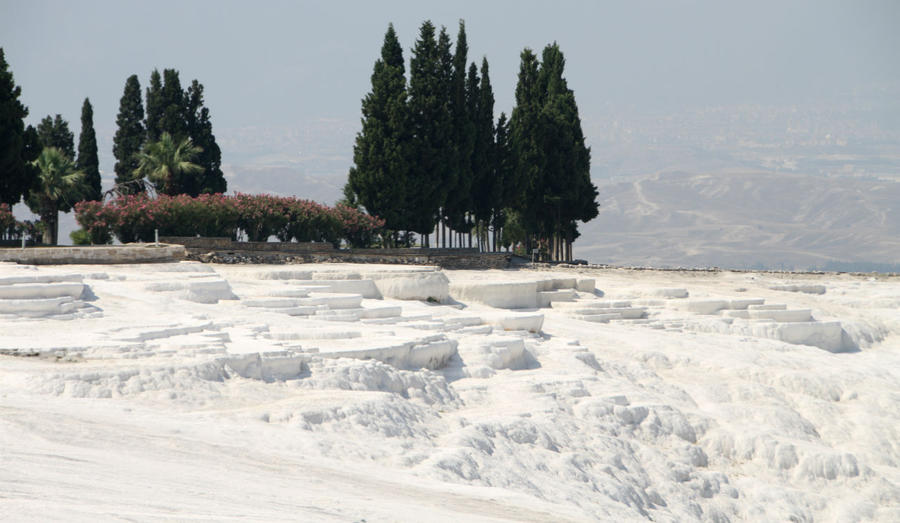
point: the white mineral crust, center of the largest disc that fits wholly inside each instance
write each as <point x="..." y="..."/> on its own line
<point x="386" y="393"/>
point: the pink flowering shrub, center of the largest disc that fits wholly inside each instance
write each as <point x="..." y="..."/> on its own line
<point x="134" y="217"/>
<point x="94" y="219"/>
<point x="309" y="221"/>
<point x="358" y="228"/>
<point x="261" y="215"/>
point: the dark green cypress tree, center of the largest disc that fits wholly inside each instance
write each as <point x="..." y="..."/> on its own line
<point x="155" y="107"/>
<point x="429" y="126"/>
<point x="87" y="162"/>
<point x="449" y="149"/>
<point x="556" y="141"/>
<point x="526" y="182"/>
<point x="199" y="128"/>
<point x="568" y="159"/>
<point x="54" y="132"/>
<point x="379" y="178"/>
<point x="181" y="114"/>
<point x="18" y="145"/>
<point x="173" y="102"/>
<point x="502" y="169"/>
<point x="484" y="195"/>
<point x="552" y="163"/>
<point x="130" y="135"/>
<point x="458" y="184"/>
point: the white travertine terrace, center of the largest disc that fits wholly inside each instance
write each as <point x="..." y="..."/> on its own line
<point x="350" y="392"/>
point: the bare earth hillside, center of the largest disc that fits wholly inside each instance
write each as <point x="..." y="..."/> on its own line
<point x="772" y="220"/>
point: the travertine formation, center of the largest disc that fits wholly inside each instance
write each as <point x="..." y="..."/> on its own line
<point x="349" y="392"/>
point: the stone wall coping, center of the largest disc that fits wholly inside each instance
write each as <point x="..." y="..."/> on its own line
<point x="197" y="243"/>
<point x="94" y="254"/>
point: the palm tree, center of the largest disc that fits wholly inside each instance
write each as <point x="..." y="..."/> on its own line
<point x="59" y="185"/>
<point x="165" y="163"/>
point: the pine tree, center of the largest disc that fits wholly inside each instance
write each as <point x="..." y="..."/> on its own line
<point x="199" y="128"/>
<point x="54" y="132"/>
<point x="155" y="107"/>
<point x="378" y="179"/>
<point x="18" y="145"/>
<point x="87" y="162"/>
<point x="130" y="135"/>
<point x="429" y="127"/>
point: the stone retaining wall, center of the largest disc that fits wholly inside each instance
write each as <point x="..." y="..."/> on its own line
<point x="461" y="261"/>
<point x="217" y="244"/>
<point x="95" y="254"/>
<point x="223" y="250"/>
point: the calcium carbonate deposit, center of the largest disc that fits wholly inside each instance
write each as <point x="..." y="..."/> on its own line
<point x="187" y="391"/>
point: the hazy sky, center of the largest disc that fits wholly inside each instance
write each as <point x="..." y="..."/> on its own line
<point x="270" y="63"/>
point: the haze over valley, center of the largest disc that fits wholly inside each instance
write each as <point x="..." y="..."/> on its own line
<point x="812" y="187"/>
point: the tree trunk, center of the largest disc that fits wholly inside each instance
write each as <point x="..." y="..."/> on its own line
<point x="51" y="225"/>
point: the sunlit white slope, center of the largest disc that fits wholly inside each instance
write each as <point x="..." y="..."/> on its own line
<point x="188" y="391"/>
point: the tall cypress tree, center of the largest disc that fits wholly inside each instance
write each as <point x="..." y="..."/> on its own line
<point x="567" y="158"/>
<point x="18" y="145"/>
<point x="155" y="107"/>
<point x="429" y="127"/>
<point x="449" y="149"/>
<point x="130" y="134"/>
<point x="87" y="162"/>
<point x="502" y="168"/>
<point x="458" y="200"/>
<point x="181" y="114"/>
<point x="199" y="128"/>
<point x="54" y="132"/>
<point x="525" y="182"/>
<point x="485" y="198"/>
<point x="379" y="177"/>
<point x="173" y="103"/>
<point x="552" y="168"/>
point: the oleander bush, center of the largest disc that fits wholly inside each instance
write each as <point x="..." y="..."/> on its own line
<point x="135" y="217"/>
